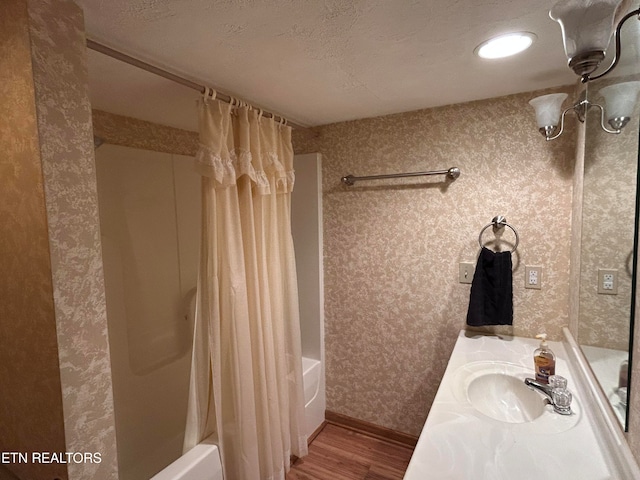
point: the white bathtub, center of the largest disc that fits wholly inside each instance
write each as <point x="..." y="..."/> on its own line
<point x="314" y="396"/>
<point x="203" y="461"/>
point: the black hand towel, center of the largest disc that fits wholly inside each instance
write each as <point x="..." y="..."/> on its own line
<point x="491" y="300"/>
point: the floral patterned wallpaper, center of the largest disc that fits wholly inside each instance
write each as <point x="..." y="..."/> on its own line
<point x="30" y="387"/>
<point x="58" y="49"/>
<point x="134" y="133"/>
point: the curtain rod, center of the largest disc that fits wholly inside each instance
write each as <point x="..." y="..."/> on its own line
<point x="168" y="75"/>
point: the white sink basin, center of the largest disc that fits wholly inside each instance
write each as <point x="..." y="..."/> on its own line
<point x="497" y="390"/>
<point x="505" y="398"/>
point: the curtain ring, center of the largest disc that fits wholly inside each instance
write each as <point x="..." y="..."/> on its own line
<point x="214" y="94"/>
<point x="205" y="95"/>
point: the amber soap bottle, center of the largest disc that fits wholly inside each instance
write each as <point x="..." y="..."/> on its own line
<point x="544" y="360"/>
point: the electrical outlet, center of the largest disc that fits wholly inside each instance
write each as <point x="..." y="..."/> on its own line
<point x="533" y="277"/>
<point x="465" y="272"/>
<point x="607" y="281"/>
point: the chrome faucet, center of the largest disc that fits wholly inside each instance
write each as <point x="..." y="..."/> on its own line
<point x="560" y="398"/>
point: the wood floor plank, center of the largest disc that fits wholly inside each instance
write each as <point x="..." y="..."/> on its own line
<point x="338" y="453"/>
<point x="365" y="448"/>
<point x="323" y="463"/>
<point x="381" y="472"/>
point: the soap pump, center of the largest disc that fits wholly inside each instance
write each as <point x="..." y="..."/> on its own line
<point x="544" y="360"/>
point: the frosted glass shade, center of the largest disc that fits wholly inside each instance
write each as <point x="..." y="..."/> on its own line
<point x="620" y="99"/>
<point x="548" y="109"/>
<point x="587" y="25"/>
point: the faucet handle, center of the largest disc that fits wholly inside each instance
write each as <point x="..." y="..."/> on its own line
<point x="562" y="400"/>
<point x="557" y="382"/>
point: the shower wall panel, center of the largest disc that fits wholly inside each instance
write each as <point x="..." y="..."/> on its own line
<point x="149" y="212"/>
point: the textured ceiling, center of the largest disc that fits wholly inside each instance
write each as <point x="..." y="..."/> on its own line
<point x="316" y="62"/>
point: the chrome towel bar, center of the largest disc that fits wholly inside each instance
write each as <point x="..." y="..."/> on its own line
<point x="452" y="173"/>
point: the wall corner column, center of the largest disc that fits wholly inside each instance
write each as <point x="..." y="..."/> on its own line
<point x="59" y="58"/>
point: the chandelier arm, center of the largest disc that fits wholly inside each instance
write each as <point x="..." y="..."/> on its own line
<point x="561" y="124"/>
<point x="602" y="119"/>
<point x="586" y="78"/>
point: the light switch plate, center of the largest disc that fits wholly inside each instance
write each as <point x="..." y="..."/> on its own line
<point x="465" y="272"/>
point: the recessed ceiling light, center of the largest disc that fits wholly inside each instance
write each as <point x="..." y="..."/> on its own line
<point x="505" y="45"/>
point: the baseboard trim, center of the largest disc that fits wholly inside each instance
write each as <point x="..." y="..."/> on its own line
<point x="293" y="459"/>
<point x="316" y="432"/>
<point x="371" y="429"/>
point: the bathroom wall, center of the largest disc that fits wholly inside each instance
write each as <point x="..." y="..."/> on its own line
<point x="56" y="379"/>
<point x="30" y="392"/>
<point x="65" y="131"/>
<point x="131" y="132"/>
<point x="393" y="304"/>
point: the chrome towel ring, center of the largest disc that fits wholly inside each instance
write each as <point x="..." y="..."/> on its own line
<point x="498" y="223"/>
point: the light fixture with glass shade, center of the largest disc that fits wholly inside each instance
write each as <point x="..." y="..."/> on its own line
<point x="587" y="27"/>
<point x="620" y="100"/>
<point x="548" y="109"/>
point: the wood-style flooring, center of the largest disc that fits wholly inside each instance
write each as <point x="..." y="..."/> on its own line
<point x="338" y="453"/>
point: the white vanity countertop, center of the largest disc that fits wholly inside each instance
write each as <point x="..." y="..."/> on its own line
<point x="460" y="443"/>
<point x="605" y="364"/>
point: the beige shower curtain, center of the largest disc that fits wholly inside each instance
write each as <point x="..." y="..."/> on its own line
<point x="246" y="377"/>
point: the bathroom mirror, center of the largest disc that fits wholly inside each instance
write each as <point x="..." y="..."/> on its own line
<point x="608" y="228"/>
